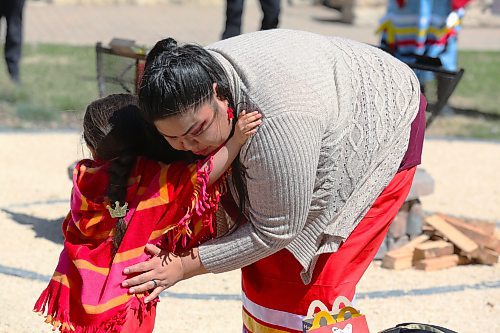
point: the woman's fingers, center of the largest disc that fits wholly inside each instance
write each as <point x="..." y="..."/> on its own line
<point x="146" y="268"/>
<point x="155" y="293"/>
<point x="139" y="268"/>
<point x="145" y="265"/>
<point x="140" y="280"/>
<point x="152" y="249"/>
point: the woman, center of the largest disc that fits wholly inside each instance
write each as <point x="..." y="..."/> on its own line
<point x="320" y="182"/>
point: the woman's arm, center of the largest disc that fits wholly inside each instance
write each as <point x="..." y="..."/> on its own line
<point x="185" y="265"/>
<point x="282" y="163"/>
<point x="245" y="127"/>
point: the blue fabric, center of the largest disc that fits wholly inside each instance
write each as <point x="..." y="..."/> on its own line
<point x="425" y="16"/>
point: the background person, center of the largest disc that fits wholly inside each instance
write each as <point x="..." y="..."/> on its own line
<point x="234" y="12"/>
<point x="427" y="28"/>
<point x="12" y="11"/>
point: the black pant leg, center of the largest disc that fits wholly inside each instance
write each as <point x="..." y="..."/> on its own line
<point x="234" y="12"/>
<point x="14" y="37"/>
<point x="271" y="13"/>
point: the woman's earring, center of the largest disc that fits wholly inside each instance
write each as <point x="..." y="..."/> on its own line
<point x="230" y="113"/>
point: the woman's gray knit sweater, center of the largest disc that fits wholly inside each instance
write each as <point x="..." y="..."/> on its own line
<point x="337" y="116"/>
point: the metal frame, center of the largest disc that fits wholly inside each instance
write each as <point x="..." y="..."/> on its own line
<point x="454" y="77"/>
<point x="119" y="79"/>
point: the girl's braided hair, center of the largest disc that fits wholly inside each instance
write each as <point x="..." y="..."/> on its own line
<point x="115" y="131"/>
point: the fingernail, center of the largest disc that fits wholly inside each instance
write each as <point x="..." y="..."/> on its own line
<point x="124" y="284"/>
<point x="131" y="290"/>
<point x="126" y="271"/>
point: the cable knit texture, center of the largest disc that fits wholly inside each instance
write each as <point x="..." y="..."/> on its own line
<point x="337" y="117"/>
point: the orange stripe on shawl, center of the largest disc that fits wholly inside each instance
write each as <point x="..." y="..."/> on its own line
<point x="163" y="200"/>
<point x="84" y="264"/>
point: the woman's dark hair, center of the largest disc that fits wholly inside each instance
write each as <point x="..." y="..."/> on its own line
<point x="115" y="130"/>
<point x="180" y="78"/>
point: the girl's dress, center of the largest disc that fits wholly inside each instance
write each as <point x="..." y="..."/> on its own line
<point x="168" y="205"/>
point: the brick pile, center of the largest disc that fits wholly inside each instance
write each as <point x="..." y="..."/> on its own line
<point x="447" y="241"/>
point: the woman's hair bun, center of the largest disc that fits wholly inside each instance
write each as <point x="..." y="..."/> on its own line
<point x="164" y="45"/>
<point x="168" y="44"/>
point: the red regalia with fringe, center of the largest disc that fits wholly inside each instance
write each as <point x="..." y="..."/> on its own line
<point x="168" y="205"/>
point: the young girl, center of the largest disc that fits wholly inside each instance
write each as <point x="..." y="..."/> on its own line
<point x="122" y="200"/>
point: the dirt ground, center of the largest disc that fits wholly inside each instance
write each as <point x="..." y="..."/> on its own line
<point x="34" y="189"/>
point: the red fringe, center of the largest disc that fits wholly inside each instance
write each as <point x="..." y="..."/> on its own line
<point x="54" y="303"/>
<point x="202" y="201"/>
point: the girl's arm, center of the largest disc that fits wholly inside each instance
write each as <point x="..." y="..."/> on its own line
<point x="188" y="264"/>
<point x="245" y="127"/>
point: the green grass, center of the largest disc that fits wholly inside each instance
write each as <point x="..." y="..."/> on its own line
<point x="465" y="127"/>
<point x="58" y="81"/>
<point x="479" y="88"/>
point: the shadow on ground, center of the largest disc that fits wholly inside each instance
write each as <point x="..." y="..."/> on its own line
<point x="44" y="228"/>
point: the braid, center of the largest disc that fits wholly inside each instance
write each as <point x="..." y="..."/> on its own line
<point x="116" y="132"/>
<point x="119" y="172"/>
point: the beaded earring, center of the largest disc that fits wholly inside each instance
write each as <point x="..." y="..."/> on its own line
<point x="230" y="113"/>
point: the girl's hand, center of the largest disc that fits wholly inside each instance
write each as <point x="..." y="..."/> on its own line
<point x="246" y="126"/>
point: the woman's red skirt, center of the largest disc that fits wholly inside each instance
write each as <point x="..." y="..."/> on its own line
<point x="274" y="297"/>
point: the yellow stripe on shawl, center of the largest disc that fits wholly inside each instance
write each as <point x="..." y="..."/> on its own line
<point x="163" y="198"/>
<point x="61" y="278"/>
<point x="96" y="309"/>
<point x="102" y="235"/>
<point x="84" y="264"/>
<point x="194" y="175"/>
<point x="127" y="255"/>
<point x="157" y="233"/>
<point x="153" y="202"/>
<point x="254" y="326"/>
<point x="84" y="205"/>
<point x="96" y="219"/>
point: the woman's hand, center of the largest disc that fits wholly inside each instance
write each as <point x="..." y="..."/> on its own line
<point x="162" y="271"/>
